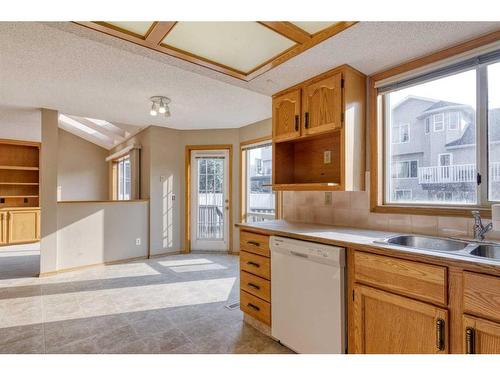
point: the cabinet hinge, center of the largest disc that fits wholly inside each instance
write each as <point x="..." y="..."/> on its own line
<point x="478" y="178"/>
<point x="342" y="83"/>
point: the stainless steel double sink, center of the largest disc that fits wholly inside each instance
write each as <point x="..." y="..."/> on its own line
<point x="447" y="245"/>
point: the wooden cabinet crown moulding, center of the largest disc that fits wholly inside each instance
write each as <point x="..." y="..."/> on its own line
<point x="319" y="133"/>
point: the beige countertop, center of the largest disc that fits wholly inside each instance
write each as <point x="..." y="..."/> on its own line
<point x="355" y="237"/>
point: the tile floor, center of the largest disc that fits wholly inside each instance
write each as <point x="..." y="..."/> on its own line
<point x="173" y="304"/>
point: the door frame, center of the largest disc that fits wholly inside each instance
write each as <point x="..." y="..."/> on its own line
<point x="187" y="196"/>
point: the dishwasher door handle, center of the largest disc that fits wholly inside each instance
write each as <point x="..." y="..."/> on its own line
<point x="299" y="254"/>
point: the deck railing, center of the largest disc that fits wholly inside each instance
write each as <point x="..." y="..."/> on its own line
<point x="455" y="173"/>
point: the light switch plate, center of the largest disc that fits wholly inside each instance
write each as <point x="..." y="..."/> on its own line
<point x="137" y="241"/>
<point x="327" y="157"/>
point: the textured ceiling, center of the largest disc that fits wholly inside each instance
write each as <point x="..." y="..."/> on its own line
<point x="42" y="66"/>
<point x="82" y="72"/>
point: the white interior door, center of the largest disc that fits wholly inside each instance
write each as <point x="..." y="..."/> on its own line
<point x="210" y="200"/>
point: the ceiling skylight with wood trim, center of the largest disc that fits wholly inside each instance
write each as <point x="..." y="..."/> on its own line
<point x="243" y="50"/>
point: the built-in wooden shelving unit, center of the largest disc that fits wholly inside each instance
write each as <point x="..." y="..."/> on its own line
<point x="19" y="173"/>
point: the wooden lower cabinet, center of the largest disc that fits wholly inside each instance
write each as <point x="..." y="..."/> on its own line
<point x="19" y="226"/>
<point x="3" y="228"/>
<point x="386" y="323"/>
<point x="480" y="336"/>
<point x="255" y="276"/>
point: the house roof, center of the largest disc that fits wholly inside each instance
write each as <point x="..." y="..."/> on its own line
<point x="469" y="135"/>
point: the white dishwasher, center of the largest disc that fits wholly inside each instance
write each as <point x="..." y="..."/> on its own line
<point x="308" y="296"/>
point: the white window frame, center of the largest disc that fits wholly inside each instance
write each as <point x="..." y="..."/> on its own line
<point x="400" y="137"/>
<point x="409" y="169"/>
<point x="434" y="122"/>
<point x="448" y="117"/>
<point x="439" y="159"/>
<point x="121" y="162"/>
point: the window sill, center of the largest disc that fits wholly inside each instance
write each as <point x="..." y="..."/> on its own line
<point x="431" y="210"/>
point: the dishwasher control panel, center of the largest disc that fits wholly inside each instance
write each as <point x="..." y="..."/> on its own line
<point x="308" y="249"/>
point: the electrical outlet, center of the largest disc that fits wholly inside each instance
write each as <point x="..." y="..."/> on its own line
<point x="137" y="241"/>
<point x="328" y="198"/>
<point x="327" y="157"/>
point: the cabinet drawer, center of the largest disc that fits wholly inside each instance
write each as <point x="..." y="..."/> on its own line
<point x="253" y="306"/>
<point x="255" y="285"/>
<point x="254" y="243"/>
<point x="255" y="264"/>
<point x="482" y="295"/>
<point x="422" y="281"/>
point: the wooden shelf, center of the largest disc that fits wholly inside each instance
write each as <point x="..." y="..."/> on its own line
<point x="314" y="186"/>
<point x="19" y="168"/>
<point x="18" y="196"/>
<point x="19" y="183"/>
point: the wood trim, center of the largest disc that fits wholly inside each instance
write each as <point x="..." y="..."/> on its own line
<point x="18" y="142"/>
<point x="292" y="32"/>
<point x="256" y="140"/>
<point x="439" y="55"/>
<point x="187" y="195"/>
<point x="288" y="30"/>
<point x="159" y="31"/>
<point x="376" y="129"/>
<point x="108" y="201"/>
<point x="297" y="50"/>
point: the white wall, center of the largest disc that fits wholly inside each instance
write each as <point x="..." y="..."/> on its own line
<point x="82" y="172"/>
<point x="163" y="176"/>
<point x="20" y="123"/>
<point x="94" y="233"/>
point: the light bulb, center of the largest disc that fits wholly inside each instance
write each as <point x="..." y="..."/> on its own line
<point x="153" y="111"/>
<point x="163" y="108"/>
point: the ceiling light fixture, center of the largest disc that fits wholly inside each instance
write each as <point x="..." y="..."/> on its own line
<point x="159" y="104"/>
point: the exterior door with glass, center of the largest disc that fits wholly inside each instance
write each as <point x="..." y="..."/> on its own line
<point x="210" y="200"/>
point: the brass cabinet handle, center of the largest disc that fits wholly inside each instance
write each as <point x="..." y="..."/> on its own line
<point x="252" y="285"/>
<point x="296" y="123"/>
<point x="253" y="264"/>
<point x="469" y="340"/>
<point x="306" y="120"/>
<point x="252" y="306"/>
<point x="255" y="243"/>
<point x="440" y="334"/>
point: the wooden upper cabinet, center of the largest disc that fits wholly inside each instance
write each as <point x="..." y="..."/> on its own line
<point x="386" y="323"/>
<point x="315" y="146"/>
<point x="286" y="116"/>
<point x="480" y="336"/>
<point x="322" y="105"/>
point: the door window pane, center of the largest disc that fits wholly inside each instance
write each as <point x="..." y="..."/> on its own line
<point x="439" y="166"/>
<point x="210" y="224"/>
<point x="124" y="178"/>
<point x="494" y="132"/>
<point x="260" y="196"/>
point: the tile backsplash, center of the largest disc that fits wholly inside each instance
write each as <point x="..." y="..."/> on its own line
<point x="352" y="209"/>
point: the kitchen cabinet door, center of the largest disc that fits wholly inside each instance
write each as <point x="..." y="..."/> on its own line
<point x="322" y="103"/>
<point x="24" y="226"/>
<point x="3" y="228"/>
<point x="386" y="323"/>
<point x="286" y="116"/>
<point x="480" y="336"/>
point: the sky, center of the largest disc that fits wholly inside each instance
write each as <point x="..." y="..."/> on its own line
<point x="459" y="88"/>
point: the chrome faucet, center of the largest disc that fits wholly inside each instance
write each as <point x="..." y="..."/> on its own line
<point x="479" y="229"/>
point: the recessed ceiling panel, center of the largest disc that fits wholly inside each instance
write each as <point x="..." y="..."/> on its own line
<point x="238" y="45"/>
<point x="313" y="27"/>
<point x="135" y="27"/>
